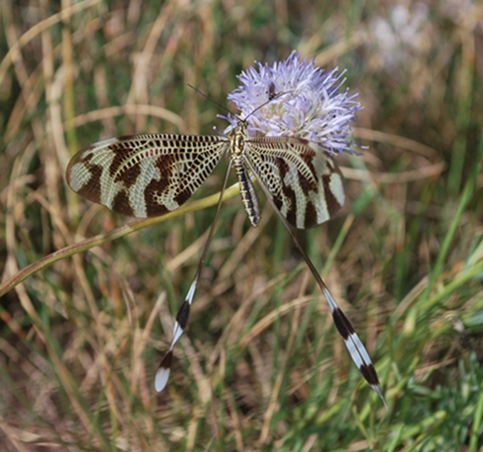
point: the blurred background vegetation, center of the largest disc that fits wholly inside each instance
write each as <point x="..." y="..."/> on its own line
<point x="261" y="365"/>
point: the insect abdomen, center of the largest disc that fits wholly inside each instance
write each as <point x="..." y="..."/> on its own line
<point x="247" y="192"/>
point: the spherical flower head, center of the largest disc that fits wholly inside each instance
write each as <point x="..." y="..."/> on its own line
<point x="296" y="98"/>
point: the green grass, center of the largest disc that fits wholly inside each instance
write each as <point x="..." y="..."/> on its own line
<point x="87" y="302"/>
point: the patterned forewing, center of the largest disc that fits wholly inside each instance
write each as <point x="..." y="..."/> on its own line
<point x="144" y="175"/>
<point x="304" y="181"/>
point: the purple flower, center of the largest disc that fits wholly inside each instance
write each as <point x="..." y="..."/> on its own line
<point x="306" y="102"/>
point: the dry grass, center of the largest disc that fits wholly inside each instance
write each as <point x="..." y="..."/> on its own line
<point x="85" y="321"/>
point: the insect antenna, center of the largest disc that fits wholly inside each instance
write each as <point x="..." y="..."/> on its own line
<point x="271" y="96"/>
<point x="210" y="99"/>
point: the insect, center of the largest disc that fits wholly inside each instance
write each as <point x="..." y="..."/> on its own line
<point x="271" y="91"/>
<point x="152" y="174"/>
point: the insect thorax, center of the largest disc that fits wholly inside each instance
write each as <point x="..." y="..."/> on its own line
<point x="247" y="191"/>
<point x="237" y="140"/>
